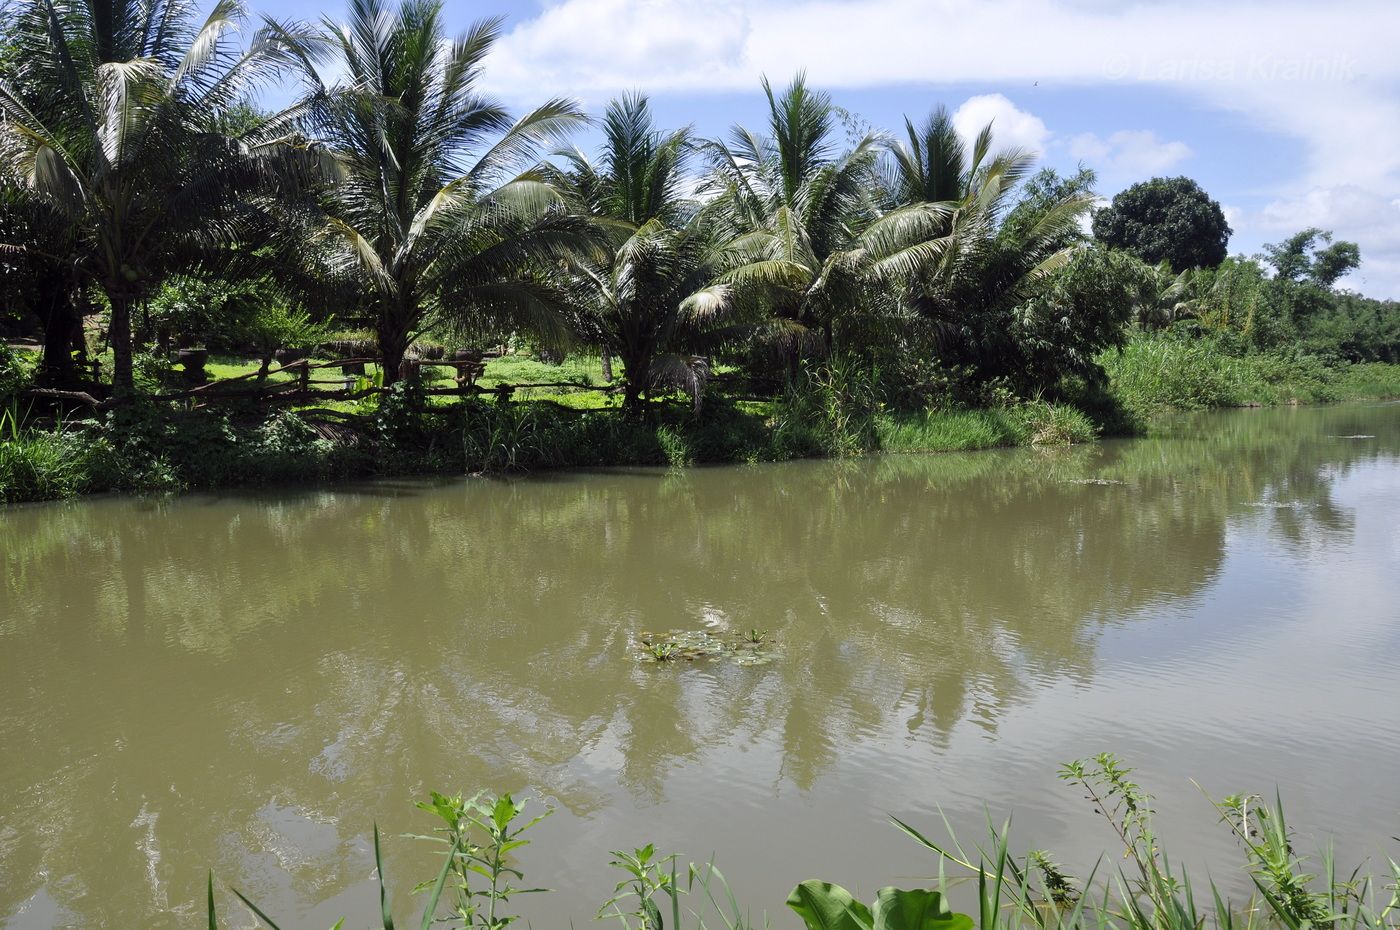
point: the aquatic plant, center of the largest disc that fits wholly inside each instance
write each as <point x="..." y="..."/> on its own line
<point x="751" y="648"/>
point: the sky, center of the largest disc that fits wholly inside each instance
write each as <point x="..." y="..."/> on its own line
<point x="1287" y="113"/>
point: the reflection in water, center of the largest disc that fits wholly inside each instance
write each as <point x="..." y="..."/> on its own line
<point x="244" y="681"/>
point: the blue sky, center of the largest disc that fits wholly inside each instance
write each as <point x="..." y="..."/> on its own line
<point x="1287" y="113"/>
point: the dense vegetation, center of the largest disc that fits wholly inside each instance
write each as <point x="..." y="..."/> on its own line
<point x="1135" y="888"/>
<point x="813" y="286"/>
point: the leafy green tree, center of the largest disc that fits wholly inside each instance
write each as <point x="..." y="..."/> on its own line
<point x="1166" y="219"/>
<point x="651" y="293"/>
<point x="1357" y="329"/>
<point x="1312" y="256"/>
<point x="1083" y="309"/>
<point x="110" y="122"/>
<point x="438" y="215"/>
<point x="36" y="283"/>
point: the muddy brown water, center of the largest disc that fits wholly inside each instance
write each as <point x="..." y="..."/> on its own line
<point x="249" y="681"/>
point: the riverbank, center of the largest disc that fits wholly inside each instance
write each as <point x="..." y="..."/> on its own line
<point x="150" y="449"/>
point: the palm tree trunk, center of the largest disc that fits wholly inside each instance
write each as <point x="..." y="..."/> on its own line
<point x="119" y="334"/>
<point x="393" y="345"/>
<point x="607" y="365"/>
<point x="636" y="375"/>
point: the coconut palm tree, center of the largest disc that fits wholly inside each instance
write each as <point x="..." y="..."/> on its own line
<point x="651" y="294"/>
<point x="438" y="214"/>
<point x="980" y="238"/>
<point x="935" y="164"/>
<point x="109" y="118"/>
<point x="797" y="204"/>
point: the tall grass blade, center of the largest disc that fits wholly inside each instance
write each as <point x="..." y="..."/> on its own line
<point x="383" y="891"/>
<point x="256" y="910"/>
<point x="441" y="883"/>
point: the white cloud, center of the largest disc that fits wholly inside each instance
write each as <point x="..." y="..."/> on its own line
<point x="583" y="46"/>
<point x="1365" y="216"/>
<point x="1012" y="127"/>
<point x="1128" y="155"/>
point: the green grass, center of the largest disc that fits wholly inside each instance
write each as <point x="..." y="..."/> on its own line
<point x="1037" y="423"/>
<point x="1368" y="381"/>
<point x="1159" y="372"/>
<point x="44" y="465"/>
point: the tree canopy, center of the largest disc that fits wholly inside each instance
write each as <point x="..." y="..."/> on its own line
<point x="1168" y="220"/>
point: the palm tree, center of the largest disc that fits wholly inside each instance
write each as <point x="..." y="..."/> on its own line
<point x="437" y="215"/>
<point x="936" y="166"/>
<point x="652" y="293"/>
<point x="977" y="238"/>
<point x="797" y="206"/>
<point x="109" y="119"/>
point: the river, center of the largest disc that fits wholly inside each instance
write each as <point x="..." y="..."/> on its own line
<point x="247" y="682"/>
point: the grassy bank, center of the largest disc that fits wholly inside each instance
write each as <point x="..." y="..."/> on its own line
<point x="1136" y="886"/>
<point x="826" y="413"/>
<point x="150" y="450"/>
<point x="1159" y="372"/>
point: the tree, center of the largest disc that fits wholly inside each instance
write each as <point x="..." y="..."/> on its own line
<point x="110" y="122"/>
<point x="1166" y="219"/>
<point x="795" y="205"/>
<point x="36" y="283"/>
<point x="438" y="215"/>
<point x="1303" y="257"/>
<point x="651" y="291"/>
<point x="935" y="165"/>
<point x="966" y="267"/>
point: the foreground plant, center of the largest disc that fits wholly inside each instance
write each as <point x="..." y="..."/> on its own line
<point x="1030" y="892"/>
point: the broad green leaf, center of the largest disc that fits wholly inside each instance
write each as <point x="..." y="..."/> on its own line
<point x="824" y="906"/>
<point x="916" y="909"/>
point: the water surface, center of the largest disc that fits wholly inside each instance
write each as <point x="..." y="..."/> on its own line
<point x="249" y="681"/>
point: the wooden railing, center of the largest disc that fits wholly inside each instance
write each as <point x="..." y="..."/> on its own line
<point x="300" y="389"/>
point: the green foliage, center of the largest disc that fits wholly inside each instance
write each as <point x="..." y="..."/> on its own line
<point x="824" y="906"/>
<point x="1312" y="256"/>
<point x="1082" y="311"/>
<point x="1166" y="220"/>
<point x="192" y="310"/>
<point x="647" y="877"/>
<point x="42" y="464"/>
<point x="1181" y="370"/>
<point x="15" y="374"/>
<point x="1352" y="328"/>
<point x="274" y="325"/>
<point x="481" y="834"/>
<point x="828" y="409"/>
<point x="675" y="447"/>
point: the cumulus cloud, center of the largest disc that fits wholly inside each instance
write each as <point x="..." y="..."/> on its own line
<point x="1129" y="154"/>
<point x="1012" y="127"/>
<point x="604" y="46"/>
<point x="1364" y="215"/>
